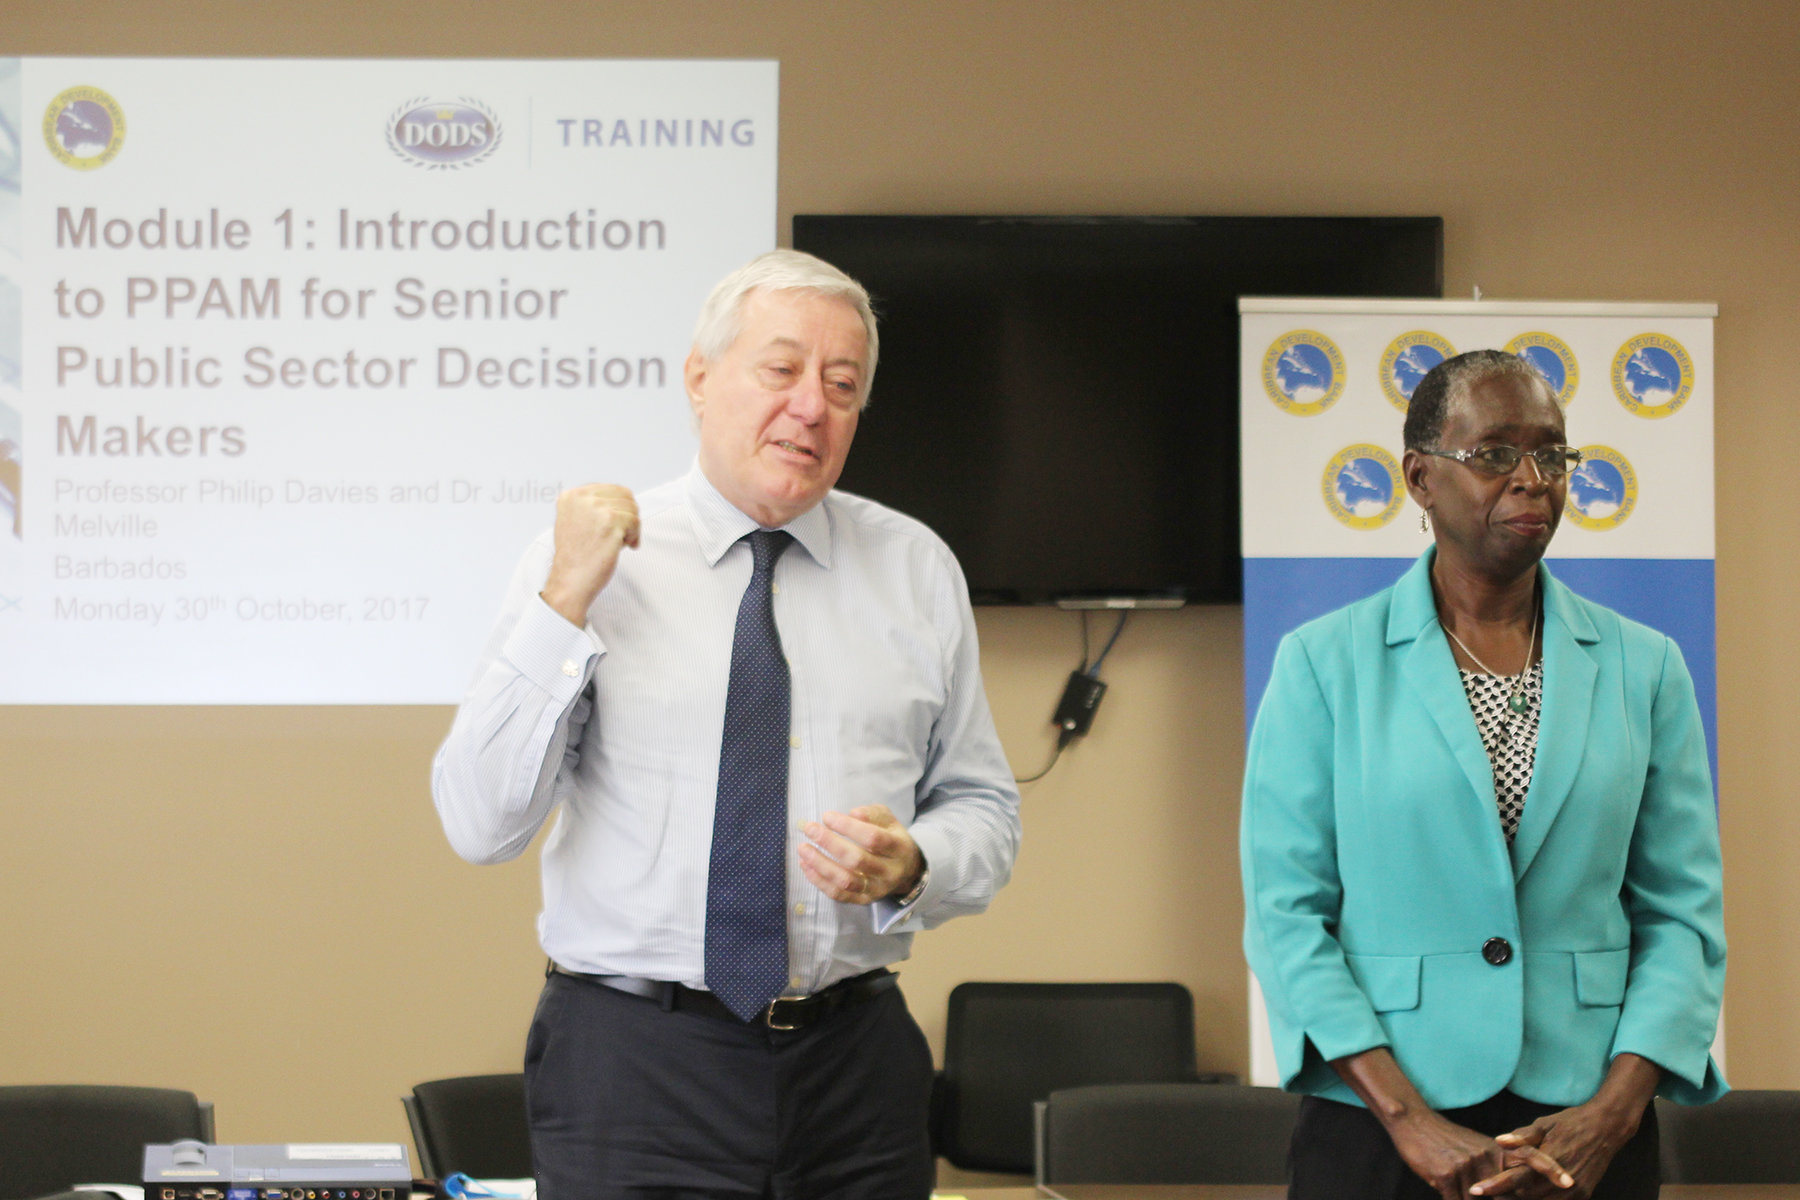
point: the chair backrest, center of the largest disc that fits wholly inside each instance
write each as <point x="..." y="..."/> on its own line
<point x="1008" y="1044"/>
<point x="1746" y="1137"/>
<point x="55" y="1136"/>
<point x="1167" y="1133"/>
<point x="474" y="1124"/>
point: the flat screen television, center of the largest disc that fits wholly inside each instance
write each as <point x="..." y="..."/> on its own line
<point x="1058" y="396"/>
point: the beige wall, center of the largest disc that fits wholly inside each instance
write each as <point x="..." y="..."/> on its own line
<point x="257" y="903"/>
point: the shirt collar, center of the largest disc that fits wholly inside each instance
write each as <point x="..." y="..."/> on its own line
<point x="719" y="524"/>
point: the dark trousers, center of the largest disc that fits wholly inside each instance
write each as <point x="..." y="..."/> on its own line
<point x="1341" y="1152"/>
<point x="629" y="1100"/>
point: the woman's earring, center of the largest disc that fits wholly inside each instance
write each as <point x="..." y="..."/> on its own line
<point x="1424" y="525"/>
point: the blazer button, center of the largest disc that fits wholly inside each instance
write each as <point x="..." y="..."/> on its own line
<point x="1497" y="951"/>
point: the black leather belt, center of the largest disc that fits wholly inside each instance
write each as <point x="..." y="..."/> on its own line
<point x="787" y="1012"/>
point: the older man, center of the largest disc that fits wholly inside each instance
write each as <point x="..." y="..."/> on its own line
<point x="758" y="704"/>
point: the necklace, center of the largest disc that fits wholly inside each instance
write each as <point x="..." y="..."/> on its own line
<point x="1518" y="702"/>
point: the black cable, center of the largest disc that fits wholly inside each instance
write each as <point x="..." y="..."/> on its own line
<point x="1092" y="672"/>
<point x="1054" y="755"/>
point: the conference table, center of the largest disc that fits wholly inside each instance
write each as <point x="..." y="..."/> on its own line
<point x="1275" y="1191"/>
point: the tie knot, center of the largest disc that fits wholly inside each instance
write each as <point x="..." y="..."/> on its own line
<point x="766" y="545"/>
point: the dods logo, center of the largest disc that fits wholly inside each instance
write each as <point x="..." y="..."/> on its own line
<point x="1553" y="360"/>
<point x="1362" y="486"/>
<point x="1652" y="375"/>
<point x="1303" y="372"/>
<point x="84" y="128"/>
<point x="1406" y="360"/>
<point x="442" y="136"/>
<point x="1602" y="490"/>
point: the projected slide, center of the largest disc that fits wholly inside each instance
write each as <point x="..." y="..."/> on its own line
<point x="296" y="355"/>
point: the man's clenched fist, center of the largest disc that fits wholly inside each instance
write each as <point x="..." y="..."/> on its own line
<point x="593" y="522"/>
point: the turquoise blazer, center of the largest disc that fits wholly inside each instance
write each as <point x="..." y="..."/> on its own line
<point x="1375" y="869"/>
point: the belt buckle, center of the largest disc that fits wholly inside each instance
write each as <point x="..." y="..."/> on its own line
<point x="769" y="1012"/>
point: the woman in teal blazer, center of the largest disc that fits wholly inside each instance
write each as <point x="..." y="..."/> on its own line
<point x="1478" y="998"/>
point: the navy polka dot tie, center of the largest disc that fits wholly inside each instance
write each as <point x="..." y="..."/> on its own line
<point x="746" y="885"/>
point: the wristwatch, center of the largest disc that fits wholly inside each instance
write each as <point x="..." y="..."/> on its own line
<point x="917" y="890"/>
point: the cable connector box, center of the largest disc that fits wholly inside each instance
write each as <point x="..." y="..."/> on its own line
<point x="1075" y="712"/>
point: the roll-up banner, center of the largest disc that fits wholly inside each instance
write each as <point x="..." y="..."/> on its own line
<point x="1326" y="517"/>
<point x="295" y="354"/>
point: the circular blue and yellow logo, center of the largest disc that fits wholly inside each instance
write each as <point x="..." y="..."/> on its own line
<point x="1602" y="490"/>
<point x="1362" y="486"/>
<point x="1652" y="375"/>
<point x="84" y="128"/>
<point x="1303" y="372"/>
<point x="1407" y="359"/>
<point x="1553" y="359"/>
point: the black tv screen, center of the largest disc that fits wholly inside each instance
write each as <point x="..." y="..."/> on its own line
<point x="1058" y="397"/>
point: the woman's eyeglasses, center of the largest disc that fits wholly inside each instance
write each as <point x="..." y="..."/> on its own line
<point x="1553" y="462"/>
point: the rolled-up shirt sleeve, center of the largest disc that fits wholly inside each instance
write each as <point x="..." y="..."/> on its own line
<point x="495" y="776"/>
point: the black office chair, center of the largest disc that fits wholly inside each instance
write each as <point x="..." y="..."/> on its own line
<point x="55" y="1136"/>
<point x="1166" y="1133"/>
<point x="474" y="1124"/>
<point x="1008" y="1044"/>
<point x="1746" y="1137"/>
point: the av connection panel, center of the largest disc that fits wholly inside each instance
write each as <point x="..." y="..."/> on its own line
<point x="296" y="1171"/>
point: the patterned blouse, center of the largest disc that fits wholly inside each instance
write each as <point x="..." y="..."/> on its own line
<point x="1510" y="738"/>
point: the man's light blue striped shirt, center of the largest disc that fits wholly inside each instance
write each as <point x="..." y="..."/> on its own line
<point x="888" y="708"/>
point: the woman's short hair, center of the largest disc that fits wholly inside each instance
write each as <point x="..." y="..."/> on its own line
<point x="722" y="316"/>
<point x="1457" y="377"/>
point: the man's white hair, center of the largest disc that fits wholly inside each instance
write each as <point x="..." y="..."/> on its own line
<point x="722" y="316"/>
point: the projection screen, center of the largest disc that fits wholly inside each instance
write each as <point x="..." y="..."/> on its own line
<point x="296" y="355"/>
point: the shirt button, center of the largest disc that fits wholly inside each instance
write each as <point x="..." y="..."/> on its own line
<point x="774" y="589"/>
<point x="794" y="741"/>
<point x="569" y="668"/>
<point x="1497" y="951"/>
<point x="794" y="984"/>
<point x="800" y="910"/>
